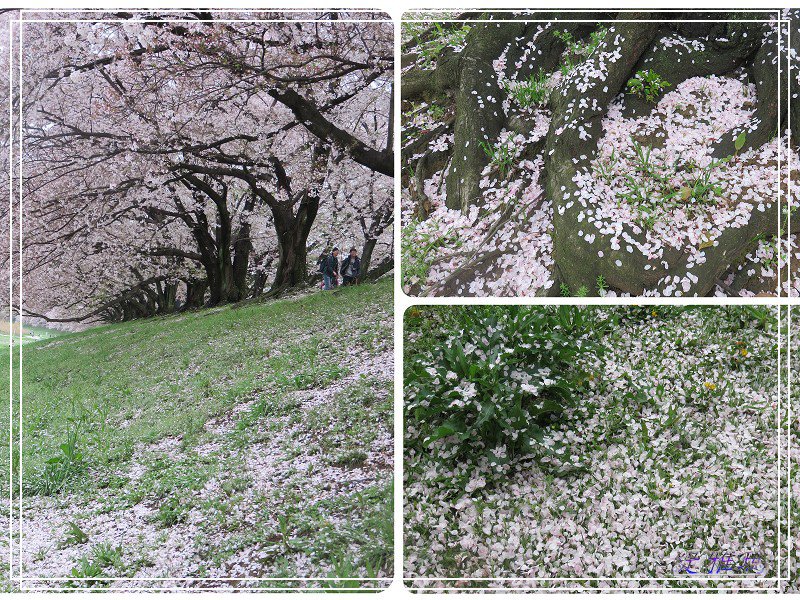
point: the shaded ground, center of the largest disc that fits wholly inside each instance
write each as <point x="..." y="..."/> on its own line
<point x="534" y="166"/>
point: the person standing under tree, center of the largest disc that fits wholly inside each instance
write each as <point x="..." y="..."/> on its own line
<point x="330" y="272"/>
<point x="351" y="268"/>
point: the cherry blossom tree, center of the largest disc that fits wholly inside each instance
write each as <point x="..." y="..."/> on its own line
<point x="179" y="159"/>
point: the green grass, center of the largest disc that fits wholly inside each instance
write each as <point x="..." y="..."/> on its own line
<point x="148" y="393"/>
<point x="137" y="382"/>
<point x="27" y="338"/>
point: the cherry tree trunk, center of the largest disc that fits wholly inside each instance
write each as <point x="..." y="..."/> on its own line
<point x="292" y="233"/>
<point x="366" y="257"/>
<point x="195" y="293"/>
<point x="292" y="256"/>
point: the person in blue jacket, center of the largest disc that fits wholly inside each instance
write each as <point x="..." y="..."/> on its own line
<point x="330" y="270"/>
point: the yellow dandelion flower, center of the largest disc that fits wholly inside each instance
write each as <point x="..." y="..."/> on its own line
<point x="710" y="386"/>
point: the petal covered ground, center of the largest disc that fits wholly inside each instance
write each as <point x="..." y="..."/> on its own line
<point x="223" y="446"/>
<point x="675" y="451"/>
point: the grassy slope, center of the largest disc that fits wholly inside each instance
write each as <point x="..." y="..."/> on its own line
<point x="142" y="397"/>
<point x="43" y="332"/>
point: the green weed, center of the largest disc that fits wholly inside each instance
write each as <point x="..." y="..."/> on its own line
<point x="502" y="155"/>
<point x="74" y="536"/>
<point x="531" y="92"/>
<point x="647" y="84"/>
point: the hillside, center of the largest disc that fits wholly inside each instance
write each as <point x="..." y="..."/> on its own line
<point x="238" y="442"/>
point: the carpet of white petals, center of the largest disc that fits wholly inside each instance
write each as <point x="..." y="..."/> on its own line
<point x="687" y="464"/>
<point x="680" y="131"/>
<point x="793" y="511"/>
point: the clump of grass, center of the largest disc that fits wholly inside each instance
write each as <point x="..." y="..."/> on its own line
<point x="578" y="50"/>
<point x="436" y="111"/>
<point x="419" y="252"/>
<point x="90" y="570"/>
<point x="602" y="286"/>
<point x="74" y="536"/>
<point x="58" y="470"/>
<point x="531" y="92"/>
<point x="87" y="572"/>
<point x="171" y="512"/>
<point x="350" y="458"/>
<point x="581" y="292"/>
<point x="702" y="187"/>
<point x="235" y="485"/>
<point x="649" y="185"/>
<point x="442" y="37"/>
<point x="502" y="155"/>
<point x="106" y="555"/>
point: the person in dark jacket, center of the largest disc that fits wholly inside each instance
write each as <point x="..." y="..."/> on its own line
<point x="330" y="274"/>
<point x="351" y="268"/>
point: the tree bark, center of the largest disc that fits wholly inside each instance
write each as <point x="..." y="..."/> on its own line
<point x="292" y="231"/>
<point x="195" y="293"/>
<point x="794" y="77"/>
<point x="479" y="106"/>
<point x="381" y="161"/>
<point x="242" y="247"/>
<point x="366" y="256"/>
<point x="572" y="140"/>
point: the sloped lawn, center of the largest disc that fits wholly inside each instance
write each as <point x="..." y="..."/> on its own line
<point x="234" y="443"/>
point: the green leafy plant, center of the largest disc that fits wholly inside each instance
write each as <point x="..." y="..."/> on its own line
<point x="702" y="187"/>
<point x="87" y="572"/>
<point x="648" y="184"/>
<point x="581" y="292"/>
<point x="647" y="84"/>
<point x="343" y="574"/>
<point x="602" y="286"/>
<point x="442" y="37"/>
<point x="739" y="142"/>
<point x="605" y="167"/>
<point x="564" y="36"/>
<point x="285" y="530"/>
<point x="436" y="112"/>
<point x="106" y="555"/>
<point x="74" y="536"/>
<point x="419" y="250"/>
<point x="595" y="38"/>
<point x="59" y="469"/>
<point x="171" y="512"/>
<point x="502" y="375"/>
